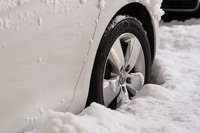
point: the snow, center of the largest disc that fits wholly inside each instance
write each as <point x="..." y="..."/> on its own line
<point x="116" y="20"/>
<point x="61" y="6"/>
<point x="83" y="1"/>
<point x="9" y="4"/>
<point x="57" y="6"/>
<point x="169" y="105"/>
<point x="6" y="23"/>
<point x="101" y="4"/>
<point x="40" y="21"/>
<point x="154" y="7"/>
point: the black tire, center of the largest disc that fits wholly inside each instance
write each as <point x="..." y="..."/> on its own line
<point x="115" y="30"/>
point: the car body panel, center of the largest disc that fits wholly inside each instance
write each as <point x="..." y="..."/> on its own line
<point x="47" y="55"/>
<point x="41" y="59"/>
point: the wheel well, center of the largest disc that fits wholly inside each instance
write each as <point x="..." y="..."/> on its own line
<point x="140" y="12"/>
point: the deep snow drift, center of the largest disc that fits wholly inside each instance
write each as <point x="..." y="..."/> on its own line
<point x="172" y="106"/>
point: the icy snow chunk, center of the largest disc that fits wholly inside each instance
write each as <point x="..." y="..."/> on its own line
<point x="4" y="45"/>
<point x="96" y="21"/>
<point x="39" y="60"/>
<point x="101" y="4"/>
<point x="80" y="24"/>
<point x="41" y="111"/>
<point x="83" y="1"/>
<point x="57" y="6"/>
<point x="116" y="20"/>
<point x="40" y="21"/>
<point x="6" y="23"/>
<point x="79" y="34"/>
<point x="91" y="41"/>
<point x="31" y="119"/>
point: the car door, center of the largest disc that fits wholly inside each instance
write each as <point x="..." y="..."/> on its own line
<point x="43" y="47"/>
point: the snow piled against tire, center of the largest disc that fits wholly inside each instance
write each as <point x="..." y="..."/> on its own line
<point x="168" y="106"/>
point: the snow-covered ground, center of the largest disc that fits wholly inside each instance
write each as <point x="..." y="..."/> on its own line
<point x="171" y="105"/>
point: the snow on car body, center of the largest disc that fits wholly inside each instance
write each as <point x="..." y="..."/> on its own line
<point x="48" y="52"/>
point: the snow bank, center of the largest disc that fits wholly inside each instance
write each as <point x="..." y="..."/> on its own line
<point x="192" y="21"/>
<point x="91" y="120"/>
<point x="169" y="107"/>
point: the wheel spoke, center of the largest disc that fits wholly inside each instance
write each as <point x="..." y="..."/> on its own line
<point x="123" y="97"/>
<point x="116" y="56"/>
<point x="140" y="63"/>
<point x="110" y="90"/>
<point x="133" y="51"/>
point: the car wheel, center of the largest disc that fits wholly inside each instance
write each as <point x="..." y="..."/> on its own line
<point x="122" y="64"/>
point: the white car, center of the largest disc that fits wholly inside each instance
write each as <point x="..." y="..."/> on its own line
<point x="64" y="54"/>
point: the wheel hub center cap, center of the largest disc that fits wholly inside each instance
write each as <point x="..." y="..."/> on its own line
<point x="122" y="78"/>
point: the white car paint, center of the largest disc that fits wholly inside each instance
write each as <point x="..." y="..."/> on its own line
<point x="47" y="54"/>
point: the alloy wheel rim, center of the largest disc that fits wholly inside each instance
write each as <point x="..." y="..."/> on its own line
<point x="124" y="70"/>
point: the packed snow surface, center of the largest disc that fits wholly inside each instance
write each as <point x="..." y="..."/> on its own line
<point x="171" y="105"/>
